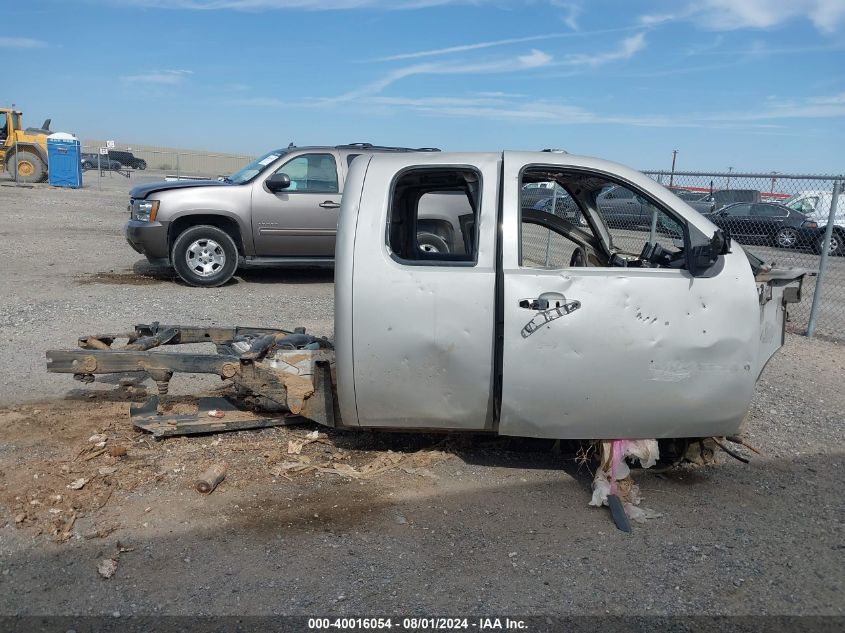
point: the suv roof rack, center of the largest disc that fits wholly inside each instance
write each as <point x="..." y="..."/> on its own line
<point x="386" y="148"/>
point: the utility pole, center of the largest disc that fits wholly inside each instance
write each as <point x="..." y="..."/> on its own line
<point x="672" y="175"/>
<point x="774" y="180"/>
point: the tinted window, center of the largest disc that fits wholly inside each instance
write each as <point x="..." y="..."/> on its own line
<point x="311" y="173"/>
<point x="768" y="210"/>
<point x="738" y="210"/>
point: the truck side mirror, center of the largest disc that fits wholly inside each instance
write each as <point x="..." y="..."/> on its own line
<point x="702" y="258"/>
<point x="277" y="182"/>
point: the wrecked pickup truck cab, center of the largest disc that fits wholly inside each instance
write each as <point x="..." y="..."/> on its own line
<point x="529" y="324"/>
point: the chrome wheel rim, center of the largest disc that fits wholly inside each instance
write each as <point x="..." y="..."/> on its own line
<point x="787" y="238"/>
<point x="834" y="244"/>
<point x="205" y="257"/>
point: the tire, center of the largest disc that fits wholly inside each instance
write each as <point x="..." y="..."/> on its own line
<point x="204" y="256"/>
<point x="431" y="243"/>
<point x="87" y="165"/>
<point x="837" y="243"/>
<point x="786" y="238"/>
<point x="141" y="164"/>
<point x="28" y="167"/>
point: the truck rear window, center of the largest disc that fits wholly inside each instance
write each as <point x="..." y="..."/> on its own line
<point x="433" y="216"/>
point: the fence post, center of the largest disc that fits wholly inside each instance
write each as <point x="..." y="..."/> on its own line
<point x="177" y="165"/>
<point x="834" y="203"/>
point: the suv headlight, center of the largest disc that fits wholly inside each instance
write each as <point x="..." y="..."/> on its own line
<point x="144" y="210"/>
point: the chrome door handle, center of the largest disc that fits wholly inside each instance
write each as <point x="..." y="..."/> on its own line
<point x="543" y="302"/>
<point x="328" y="204"/>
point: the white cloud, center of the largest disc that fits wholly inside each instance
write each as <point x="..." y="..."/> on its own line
<point x="728" y="15"/>
<point x="573" y="10"/>
<point x="462" y="48"/>
<point x="831" y="100"/>
<point x="164" y="77"/>
<point x="21" y="42"/>
<point x="535" y="59"/>
<point x="630" y="46"/>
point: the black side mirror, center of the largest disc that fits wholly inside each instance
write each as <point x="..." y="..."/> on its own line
<point x="277" y="182"/>
<point x="701" y="258"/>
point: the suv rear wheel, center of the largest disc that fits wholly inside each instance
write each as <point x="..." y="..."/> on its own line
<point x="204" y="256"/>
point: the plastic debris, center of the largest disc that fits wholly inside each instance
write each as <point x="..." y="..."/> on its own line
<point x="211" y="478"/>
<point x="613" y="477"/>
<point x="215" y="413"/>
<point x="97" y="438"/>
<point x="77" y="484"/>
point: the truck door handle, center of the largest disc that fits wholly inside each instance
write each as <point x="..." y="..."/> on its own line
<point x="549" y="306"/>
<point x="328" y="204"/>
<point x="543" y="302"/>
<point x="534" y="304"/>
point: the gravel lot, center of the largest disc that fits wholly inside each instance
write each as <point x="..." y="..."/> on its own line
<point x="500" y="527"/>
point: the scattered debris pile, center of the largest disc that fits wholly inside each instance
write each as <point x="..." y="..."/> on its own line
<point x="68" y="469"/>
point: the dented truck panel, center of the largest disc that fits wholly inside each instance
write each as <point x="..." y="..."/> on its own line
<point x="422" y="336"/>
<point x="649" y="352"/>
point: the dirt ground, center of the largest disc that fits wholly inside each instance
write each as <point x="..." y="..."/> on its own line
<point x="364" y="523"/>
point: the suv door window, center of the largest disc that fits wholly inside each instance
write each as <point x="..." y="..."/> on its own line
<point x="311" y="173"/>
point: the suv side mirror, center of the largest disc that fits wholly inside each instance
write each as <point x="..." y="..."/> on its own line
<point x="277" y="182"/>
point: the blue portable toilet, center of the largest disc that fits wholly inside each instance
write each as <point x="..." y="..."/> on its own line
<point x="64" y="160"/>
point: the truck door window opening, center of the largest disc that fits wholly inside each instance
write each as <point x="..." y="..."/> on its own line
<point x="433" y="216"/>
<point x="642" y="233"/>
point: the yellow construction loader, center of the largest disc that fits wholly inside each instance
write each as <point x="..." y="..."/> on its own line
<point x="23" y="153"/>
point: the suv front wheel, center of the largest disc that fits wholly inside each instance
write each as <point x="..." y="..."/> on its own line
<point x="204" y="256"/>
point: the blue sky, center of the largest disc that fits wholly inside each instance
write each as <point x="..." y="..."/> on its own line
<point x="751" y="84"/>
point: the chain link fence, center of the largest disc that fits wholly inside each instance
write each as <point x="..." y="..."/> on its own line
<point x="780" y="218"/>
<point x="124" y="159"/>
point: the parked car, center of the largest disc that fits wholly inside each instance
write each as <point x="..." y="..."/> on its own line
<point x="279" y="210"/>
<point x="128" y="159"/>
<point x="92" y="161"/>
<point x="686" y="195"/>
<point x="723" y="197"/>
<point x="766" y="222"/>
<point x="816" y="205"/>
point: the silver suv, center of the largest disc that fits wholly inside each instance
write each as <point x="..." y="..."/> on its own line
<point x="279" y="210"/>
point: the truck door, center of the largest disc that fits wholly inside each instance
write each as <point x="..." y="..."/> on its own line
<point x="300" y="221"/>
<point x="422" y="319"/>
<point x="596" y="347"/>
